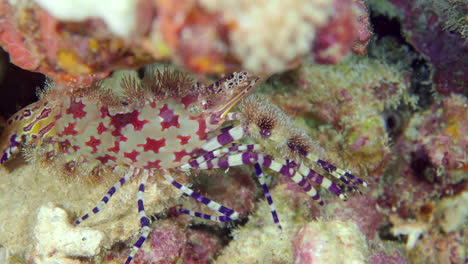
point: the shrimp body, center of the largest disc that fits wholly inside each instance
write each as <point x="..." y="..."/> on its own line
<point x="163" y="123"/>
<point x="161" y="132"/>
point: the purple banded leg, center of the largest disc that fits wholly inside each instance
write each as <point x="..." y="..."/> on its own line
<point x="235" y="148"/>
<point x="266" y="192"/>
<point x="233" y="116"/>
<point x="325" y="183"/>
<point x="220" y="219"/>
<point x="290" y="170"/>
<point x="229" y="213"/>
<point x="102" y="204"/>
<point x="247" y="158"/>
<point x="340" y="174"/>
<point x="13" y="148"/>
<point x="227" y="135"/>
<point x="144" y="221"/>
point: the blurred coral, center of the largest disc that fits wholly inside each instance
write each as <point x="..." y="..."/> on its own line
<point x="72" y="54"/>
<point x="318" y="242"/>
<point x="437" y="139"/>
<point x="353" y="98"/>
<point x="428" y="25"/>
<point x="76" y="43"/>
<point x="172" y="242"/>
<point x="388" y="258"/>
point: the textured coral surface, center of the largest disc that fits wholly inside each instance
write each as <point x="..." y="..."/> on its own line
<point x="394" y="112"/>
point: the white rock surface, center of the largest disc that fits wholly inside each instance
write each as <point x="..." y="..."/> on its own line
<point x="56" y="239"/>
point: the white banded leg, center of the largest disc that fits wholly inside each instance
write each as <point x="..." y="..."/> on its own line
<point x="227" y="212"/>
<point x="233" y="116"/>
<point x="342" y="175"/>
<point x="234" y="148"/>
<point x="220" y="219"/>
<point x="266" y="192"/>
<point x="226" y="136"/>
<point x="102" y="204"/>
<point x="247" y="158"/>
<point x="325" y="183"/>
<point x="144" y="220"/>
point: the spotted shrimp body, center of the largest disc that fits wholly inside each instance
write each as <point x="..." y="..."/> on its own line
<point x="161" y="133"/>
<point x="165" y="123"/>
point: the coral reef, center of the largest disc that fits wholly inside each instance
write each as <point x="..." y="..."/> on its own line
<point x="171" y="241"/>
<point x="397" y="117"/>
<point x="318" y="242"/>
<point x="76" y="43"/>
<point x="28" y="187"/>
<point x="427" y="26"/>
<point x="354" y="98"/>
<point x="435" y="141"/>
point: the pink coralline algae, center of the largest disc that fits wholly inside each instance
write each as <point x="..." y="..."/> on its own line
<point x="424" y="27"/>
<point x="319" y="242"/>
<point x="74" y="55"/>
<point x="352" y="102"/>
<point x="359" y="209"/>
<point x="201" y="35"/>
<point x="171" y="242"/>
<point x="348" y="29"/>
<point x="436" y="142"/>
<point x="394" y="257"/>
<point x="235" y="189"/>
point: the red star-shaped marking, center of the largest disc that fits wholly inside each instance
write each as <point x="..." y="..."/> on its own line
<point x="116" y="147"/>
<point x="153" y="164"/>
<point x="184" y="139"/>
<point x="169" y="118"/>
<point x="69" y="130"/>
<point x="132" y="155"/>
<point x="101" y="128"/>
<point x="93" y="143"/>
<point x="106" y="158"/>
<point x="201" y="127"/>
<point x="121" y="120"/>
<point x="153" y="144"/>
<point x="76" y="109"/>
<point x="180" y="154"/>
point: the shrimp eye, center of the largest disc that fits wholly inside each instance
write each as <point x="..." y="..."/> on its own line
<point x="298" y="144"/>
<point x="266" y="125"/>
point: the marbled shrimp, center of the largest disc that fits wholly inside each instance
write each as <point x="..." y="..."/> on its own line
<point x="163" y="123"/>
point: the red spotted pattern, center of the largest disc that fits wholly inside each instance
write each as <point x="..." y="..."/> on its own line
<point x="153" y="164"/>
<point x="189" y="99"/>
<point x="93" y="143"/>
<point x="179" y="155"/>
<point x="101" y="128"/>
<point x="116" y="147"/>
<point x="153" y="144"/>
<point x="119" y="121"/>
<point x="169" y="118"/>
<point x="183" y="139"/>
<point x="76" y="109"/>
<point x="69" y="130"/>
<point x="201" y="133"/>
<point x="104" y="159"/>
<point x="132" y="155"/>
